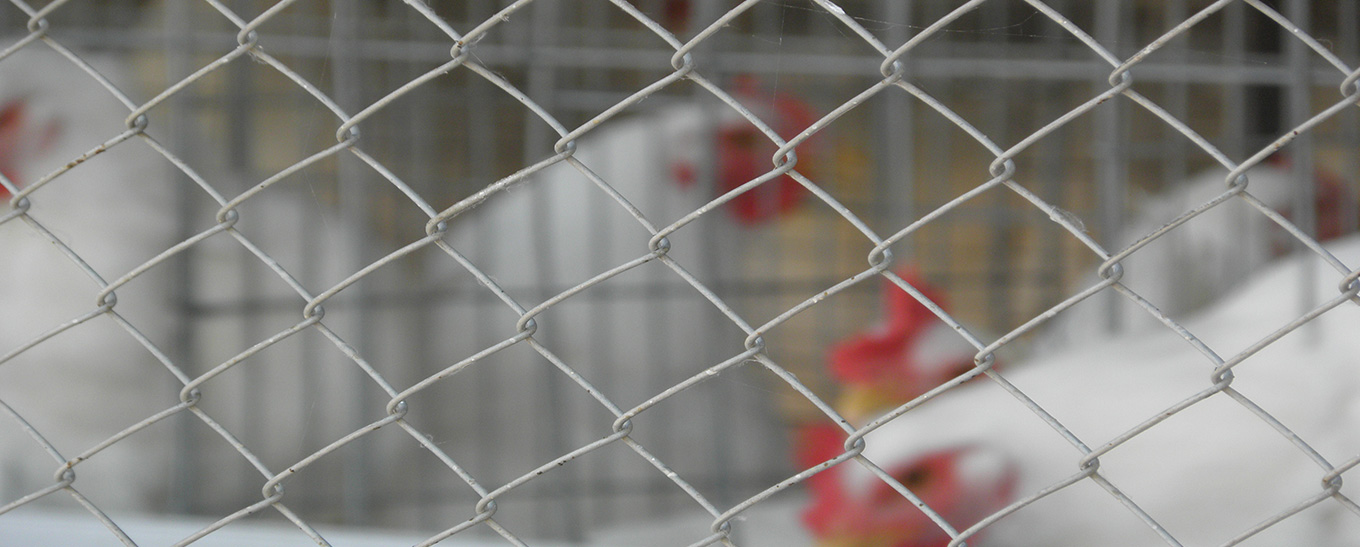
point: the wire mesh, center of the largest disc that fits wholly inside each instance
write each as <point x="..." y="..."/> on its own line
<point x="425" y="265"/>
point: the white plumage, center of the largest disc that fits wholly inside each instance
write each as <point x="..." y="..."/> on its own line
<point x="90" y="381"/>
<point x="635" y="334"/>
<point x="116" y="211"/>
<point x="1207" y="473"/>
<point x="1190" y="266"/>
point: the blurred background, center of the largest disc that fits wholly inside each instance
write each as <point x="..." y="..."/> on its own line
<point x="1236" y="78"/>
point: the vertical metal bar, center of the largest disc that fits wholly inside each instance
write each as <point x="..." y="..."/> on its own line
<point x="1234" y="95"/>
<point x="1298" y="109"/>
<point x="1237" y="139"/>
<point x="178" y="58"/>
<point x="538" y="140"/>
<point x="897" y="148"/>
<point x="1111" y="177"/>
<point x="1349" y="38"/>
<point x="724" y="491"/>
<point x="483" y="112"/>
<point x="658" y="279"/>
<point x="1055" y="154"/>
<point x="772" y="448"/>
<point x="418" y="313"/>
<point x="419" y="329"/>
<point x="1002" y="237"/>
<point x="1172" y="149"/>
<point x="482" y="129"/>
<point x="236" y="113"/>
<point x="356" y="497"/>
<point x="940" y="165"/>
<point x="598" y="300"/>
<point x="1177" y="99"/>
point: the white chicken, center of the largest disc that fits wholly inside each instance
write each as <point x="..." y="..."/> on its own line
<point x="1206" y="474"/>
<point x="908" y="353"/>
<point x="1199" y="261"/>
<point x="638" y="333"/>
<point x="89" y="382"/>
<point x="112" y="209"/>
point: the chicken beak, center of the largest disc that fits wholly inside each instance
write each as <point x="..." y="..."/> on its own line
<point x="860" y="403"/>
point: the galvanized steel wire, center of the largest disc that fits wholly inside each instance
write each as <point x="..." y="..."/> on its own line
<point x="894" y="77"/>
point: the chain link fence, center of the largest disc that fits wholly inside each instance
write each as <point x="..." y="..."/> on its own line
<point x="541" y="271"/>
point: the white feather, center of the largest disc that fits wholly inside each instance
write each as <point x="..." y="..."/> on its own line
<point x="81" y="387"/>
<point x="89" y="382"/>
<point x="1188" y="267"/>
<point x="631" y="336"/>
<point x="1207" y="473"/>
<point x="84" y="386"/>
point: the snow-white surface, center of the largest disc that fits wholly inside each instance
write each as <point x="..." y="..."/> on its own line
<point x="1207" y="473"/>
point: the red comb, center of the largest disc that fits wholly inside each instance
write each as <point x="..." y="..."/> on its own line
<point x="777" y="196"/>
<point x="863" y="357"/>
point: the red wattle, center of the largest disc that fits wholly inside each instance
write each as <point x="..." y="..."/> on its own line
<point x="815" y="444"/>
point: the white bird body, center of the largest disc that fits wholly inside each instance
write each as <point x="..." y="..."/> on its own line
<point x="1207" y="473"/>
<point x="582" y="230"/>
<point x="631" y="336"/>
<point x="117" y="211"/>
<point x="89" y="382"/>
<point x="1190" y="266"/>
